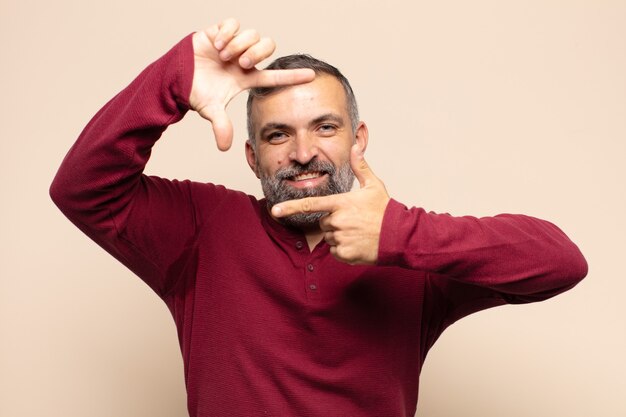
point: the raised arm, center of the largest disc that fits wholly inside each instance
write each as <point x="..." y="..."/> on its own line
<point x="146" y="221"/>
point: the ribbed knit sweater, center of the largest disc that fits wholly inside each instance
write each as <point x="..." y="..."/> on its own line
<point x="266" y="326"/>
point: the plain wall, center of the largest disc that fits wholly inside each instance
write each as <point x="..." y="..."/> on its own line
<point x="474" y="107"/>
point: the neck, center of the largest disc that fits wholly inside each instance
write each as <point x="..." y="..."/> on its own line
<point x="313" y="238"/>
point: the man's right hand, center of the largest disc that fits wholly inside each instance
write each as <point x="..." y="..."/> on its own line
<point x="224" y="60"/>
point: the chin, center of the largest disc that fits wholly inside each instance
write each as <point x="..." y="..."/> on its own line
<point x="304" y="221"/>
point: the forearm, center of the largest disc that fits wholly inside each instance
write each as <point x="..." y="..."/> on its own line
<point x="101" y="172"/>
<point x="525" y="257"/>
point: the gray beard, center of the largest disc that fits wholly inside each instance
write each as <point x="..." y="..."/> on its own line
<point x="276" y="190"/>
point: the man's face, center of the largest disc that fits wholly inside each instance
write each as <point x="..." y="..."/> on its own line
<point x="303" y="136"/>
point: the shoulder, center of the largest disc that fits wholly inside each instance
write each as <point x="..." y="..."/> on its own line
<point x="210" y="199"/>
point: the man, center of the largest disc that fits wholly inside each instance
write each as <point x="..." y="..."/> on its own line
<point x="318" y="306"/>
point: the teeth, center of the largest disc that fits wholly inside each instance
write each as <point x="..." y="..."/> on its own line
<point x="307" y="176"/>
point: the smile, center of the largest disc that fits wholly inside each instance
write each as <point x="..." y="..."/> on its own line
<point x="308" y="179"/>
<point x="307" y="176"/>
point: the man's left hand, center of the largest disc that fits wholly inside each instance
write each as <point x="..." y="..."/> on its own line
<point x="353" y="223"/>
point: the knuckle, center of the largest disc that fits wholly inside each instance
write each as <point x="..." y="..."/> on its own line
<point x="251" y="34"/>
<point x="335" y="223"/>
<point x="277" y="77"/>
<point x="258" y="51"/>
<point x="230" y="22"/>
<point x="211" y="31"/>
<point x="345" y="254"/>
<point x="338" y="221"/>
<point x="268" y="43"/>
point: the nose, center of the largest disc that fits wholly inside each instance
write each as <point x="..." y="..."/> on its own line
<point x="304" y="148"/>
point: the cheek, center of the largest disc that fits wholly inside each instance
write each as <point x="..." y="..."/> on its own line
<point x="270" y="162"/>
<point x="337" y="153"/>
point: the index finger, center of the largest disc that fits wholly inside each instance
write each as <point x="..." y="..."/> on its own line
<point x="306" y="205"/>
<point x="279" y="78"/>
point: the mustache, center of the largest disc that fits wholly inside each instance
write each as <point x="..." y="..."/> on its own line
<point x="314" y="165"/>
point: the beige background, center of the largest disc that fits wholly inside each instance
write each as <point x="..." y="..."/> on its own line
<point x="474" y="107"/>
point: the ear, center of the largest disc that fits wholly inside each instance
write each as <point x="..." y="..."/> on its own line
<point x="361" y="136"/>
<point x="251" y="158"/>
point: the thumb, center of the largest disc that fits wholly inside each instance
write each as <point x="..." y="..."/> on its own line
<point x="222" y="126"/>
<point x="359" y="166"/>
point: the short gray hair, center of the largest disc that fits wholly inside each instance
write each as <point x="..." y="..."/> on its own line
<point x="296" y="61"/>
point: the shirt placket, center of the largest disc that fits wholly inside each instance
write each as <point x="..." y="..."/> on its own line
<point x="310" y="273"/>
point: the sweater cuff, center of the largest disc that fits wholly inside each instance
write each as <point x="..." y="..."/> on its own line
<point x="397" y="228"/>
<point x="181" y="90"/>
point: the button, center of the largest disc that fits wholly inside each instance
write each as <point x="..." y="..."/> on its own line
<point x="313" y="287"/>
<point x="310" y="267"/>
<point x="299" y="245"/>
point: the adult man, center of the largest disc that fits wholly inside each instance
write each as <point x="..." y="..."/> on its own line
<point x="273" y="316"/>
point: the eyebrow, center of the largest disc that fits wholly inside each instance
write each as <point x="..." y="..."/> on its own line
<point x="327" y="117"/>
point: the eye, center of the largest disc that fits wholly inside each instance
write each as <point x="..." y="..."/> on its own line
<point x="327" y="129"/>
<point x="276" y="136"/>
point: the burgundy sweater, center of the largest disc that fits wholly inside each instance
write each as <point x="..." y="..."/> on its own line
<point x="266" y="327"/>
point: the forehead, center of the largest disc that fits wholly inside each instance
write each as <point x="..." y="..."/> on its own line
<point x="301" y="103"/>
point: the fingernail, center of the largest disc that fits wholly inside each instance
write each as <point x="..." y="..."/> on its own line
<point x="276" y="210"/>
<point x="225" y="56"/>
<point x="245" y="62"/>
<point x="219" y="44"/>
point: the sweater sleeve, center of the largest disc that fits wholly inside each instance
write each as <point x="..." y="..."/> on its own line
<point x="515" y="258"/>
<point x="145" y="222"/>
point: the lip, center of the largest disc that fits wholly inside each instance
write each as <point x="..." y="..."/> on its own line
<point x="309" y="182"/>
